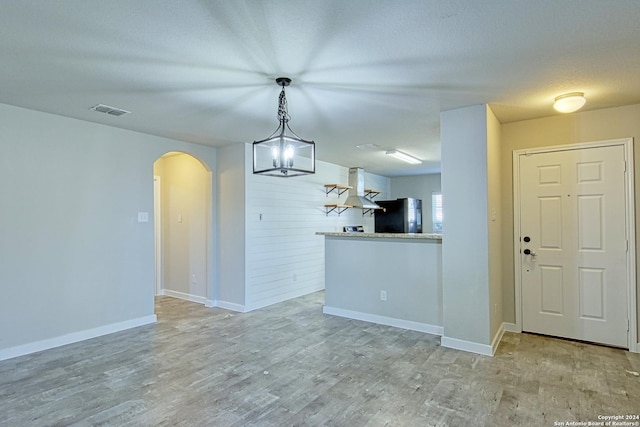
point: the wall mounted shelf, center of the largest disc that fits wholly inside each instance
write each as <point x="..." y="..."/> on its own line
<point x="371" y="194"/>
<point x="328" y="188"/>
<point x="341" y="189"/>
<point x="335" y="207"/>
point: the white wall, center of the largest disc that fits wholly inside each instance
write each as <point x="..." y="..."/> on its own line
<point x="494" y="199"/>
<point x="418" y="187"/>
<point x="231" y="227"/>
<point x="284" y="257"/>
<point x="465" y="263"/>
<point x="74" y="261"/>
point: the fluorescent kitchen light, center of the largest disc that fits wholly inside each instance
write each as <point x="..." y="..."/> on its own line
<point x="404" y="157"/>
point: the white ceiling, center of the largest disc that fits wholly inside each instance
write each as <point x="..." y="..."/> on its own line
<point x="364" y="71"/>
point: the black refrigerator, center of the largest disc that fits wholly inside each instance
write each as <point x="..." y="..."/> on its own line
<point x="399" y="216"/>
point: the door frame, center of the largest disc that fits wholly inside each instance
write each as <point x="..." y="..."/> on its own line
<point x="157" y="233"/>
<point x="627" y="144"/>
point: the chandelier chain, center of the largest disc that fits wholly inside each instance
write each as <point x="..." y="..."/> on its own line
<point x="283" y="113"/>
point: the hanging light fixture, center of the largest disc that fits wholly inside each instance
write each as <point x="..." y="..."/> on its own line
<point x="284" y="153"/>
<point x="569" y="102"/>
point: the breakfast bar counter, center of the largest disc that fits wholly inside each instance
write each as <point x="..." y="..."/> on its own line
<point x="382" y="235"/>
<point x="393" y="279"/>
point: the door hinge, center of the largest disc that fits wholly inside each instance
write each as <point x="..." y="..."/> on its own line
<point x="628" y="325"/>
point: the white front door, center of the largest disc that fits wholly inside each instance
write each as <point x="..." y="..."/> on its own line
<point x="573" y="244"/>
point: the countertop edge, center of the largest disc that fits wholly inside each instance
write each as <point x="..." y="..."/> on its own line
<point x="420" y="236"/>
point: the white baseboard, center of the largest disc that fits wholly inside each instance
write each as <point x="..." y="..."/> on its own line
<point x="73" y="337"/>
<point x="209" y="303"/>
<point x="474" y="347"/>
<point x="266" y="302"/>
<point x="231" y="306"/>
<point x="496" y="339"/>
<point x="468" y="346"/>
<point x="384" y="320"/>
<point x="511" y="327"/>
<point x="184" y="296"/>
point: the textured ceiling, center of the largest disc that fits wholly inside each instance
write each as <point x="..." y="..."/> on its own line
<point x="364" y="72"/>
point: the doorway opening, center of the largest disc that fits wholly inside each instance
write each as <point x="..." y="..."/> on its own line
<point x="182" y="227"/>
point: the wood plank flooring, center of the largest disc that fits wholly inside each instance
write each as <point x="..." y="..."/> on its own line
<point x="291" y="365"/>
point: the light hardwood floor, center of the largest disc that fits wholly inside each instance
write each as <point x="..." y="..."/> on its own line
<point x="290" y="365"/>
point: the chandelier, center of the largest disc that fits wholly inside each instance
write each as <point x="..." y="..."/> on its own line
<point x="284" y="153"/>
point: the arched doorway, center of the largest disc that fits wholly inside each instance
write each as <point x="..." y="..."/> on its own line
<point x="182" y="218"/>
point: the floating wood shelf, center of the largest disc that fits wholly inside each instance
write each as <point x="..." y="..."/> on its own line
<point x="371" y="194"/>
<point x="328" y="188"/>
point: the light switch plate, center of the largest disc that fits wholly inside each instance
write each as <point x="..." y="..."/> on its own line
<point x="143" y="216"/>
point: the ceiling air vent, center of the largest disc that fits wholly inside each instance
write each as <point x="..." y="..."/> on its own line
<point x="101" y="108"/>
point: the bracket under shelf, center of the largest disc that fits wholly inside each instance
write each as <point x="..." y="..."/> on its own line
<point x="334" y="207"/>
<point x="371" y="194"/>
<point x="340" y="189"/>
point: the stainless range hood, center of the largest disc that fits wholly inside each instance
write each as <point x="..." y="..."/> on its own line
<point x="356" y="193"/>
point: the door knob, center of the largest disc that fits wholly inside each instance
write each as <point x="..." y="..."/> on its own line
<point x="527" y="239"/>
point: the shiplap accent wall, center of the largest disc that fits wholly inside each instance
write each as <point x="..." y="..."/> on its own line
<point x="284" y="256"/>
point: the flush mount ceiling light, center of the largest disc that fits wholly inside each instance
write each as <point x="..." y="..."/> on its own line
<point x="404" y="157"/>
<point x="569" y="102"/>
<point x="284" y="153"/>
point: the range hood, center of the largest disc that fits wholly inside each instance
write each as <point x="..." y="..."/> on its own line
<point x="356" y="193"/>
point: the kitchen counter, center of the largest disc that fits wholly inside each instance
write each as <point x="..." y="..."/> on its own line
<point x="382" y="235"/>
<point x="392" y="279"/>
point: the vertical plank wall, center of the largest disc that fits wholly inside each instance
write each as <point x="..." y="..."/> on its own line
<point x="284" y="257"/>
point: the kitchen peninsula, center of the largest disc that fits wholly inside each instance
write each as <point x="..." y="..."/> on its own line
<point x="392" y="279"/>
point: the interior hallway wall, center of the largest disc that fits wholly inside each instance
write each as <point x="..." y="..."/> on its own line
<point x="185" y="213"/>
<point x="494" y="223"/>
<point x="465" y="247"/>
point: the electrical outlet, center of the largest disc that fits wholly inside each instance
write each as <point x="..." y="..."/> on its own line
<point x="383" y="295"/>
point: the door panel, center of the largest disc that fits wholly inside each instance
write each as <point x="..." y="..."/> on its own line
<point x="572" y="208"/>
<point x="551" y="297"/>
